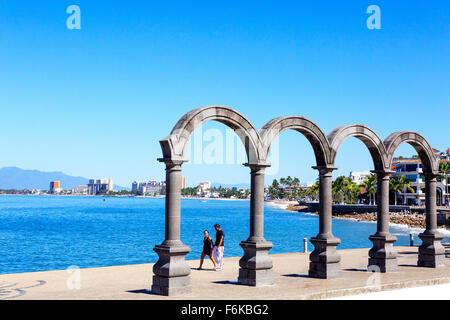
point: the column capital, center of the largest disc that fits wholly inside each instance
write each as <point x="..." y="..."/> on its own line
<point x="431" y="175"/>
<point x="259" y="165"/>
<point x="172" y="161"/>
<point x="325" y="169"/>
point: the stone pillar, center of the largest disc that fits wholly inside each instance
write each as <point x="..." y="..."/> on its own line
<point x="431" y="251"/>
<point x="255" y="264"/>
<point x="383" y="254"/>
<point x="171" y="272"/>
<point x="324" y="260"/>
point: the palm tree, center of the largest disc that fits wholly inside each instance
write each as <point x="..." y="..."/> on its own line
<point x="354" y="191"/>
<point x="369" y="184"/>
<point x="313" y="190"/>
<point x="274" y="189"/>
<point x="400" y="184"/>
<point x="343" y="186"/>
<point x="338" y="188"/>
<point x="394" y="186"/>
<point x="444" y="167"/>
<point x="295" y="189"/>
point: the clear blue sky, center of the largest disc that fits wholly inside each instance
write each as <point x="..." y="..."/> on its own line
<point x="94" y="102"/>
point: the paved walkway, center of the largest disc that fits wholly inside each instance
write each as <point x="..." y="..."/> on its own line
<point x="436" y="292"/>
<point x="291" y="282"/>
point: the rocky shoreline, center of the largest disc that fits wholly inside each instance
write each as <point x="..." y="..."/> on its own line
<point x="411" y="220"/>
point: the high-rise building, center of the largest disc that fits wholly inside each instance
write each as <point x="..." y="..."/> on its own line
<point x="183" y="182"/>
<point x="55" y="187"/>
<point x="149" y="188"/>
<point x="80" y="190"/>
<point x="136" y="185"/>
<point x="96" y="186"/>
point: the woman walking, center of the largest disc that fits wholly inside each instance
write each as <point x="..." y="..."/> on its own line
<point x="207" y="250"/>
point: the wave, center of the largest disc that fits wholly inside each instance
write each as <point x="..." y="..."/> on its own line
<point x="416" y="231"/>
<point x="278" y="205"/>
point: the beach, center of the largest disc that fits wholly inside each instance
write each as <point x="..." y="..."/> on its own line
<point x="411" y="220"/>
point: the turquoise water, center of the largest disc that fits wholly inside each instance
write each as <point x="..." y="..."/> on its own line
<point x="47" y="233"/>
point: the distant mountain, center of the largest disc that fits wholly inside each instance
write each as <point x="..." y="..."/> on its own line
<point x="230" y="185"/>
<point x="19" y="179"/>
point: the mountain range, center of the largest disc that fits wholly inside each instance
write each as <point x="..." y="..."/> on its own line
<point x="19" y="179"/>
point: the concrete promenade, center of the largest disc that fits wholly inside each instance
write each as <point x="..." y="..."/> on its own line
<point x="290" y="275"/>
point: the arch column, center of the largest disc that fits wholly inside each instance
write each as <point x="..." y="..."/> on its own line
<point x="324" y="260"/>
<point x="383" y="254"/>
<point x="171" y="272"/>
<point x="431" y="251"/>
<point x="256" y="265"/>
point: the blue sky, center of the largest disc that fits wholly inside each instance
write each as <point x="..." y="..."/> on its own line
<point x="95" y="102"/>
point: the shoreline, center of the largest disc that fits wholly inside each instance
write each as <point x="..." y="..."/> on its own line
<point x="412" y="221"/>
<point x="120" y="196"/>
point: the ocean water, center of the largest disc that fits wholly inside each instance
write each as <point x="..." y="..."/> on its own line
<point x="40" y="233"/>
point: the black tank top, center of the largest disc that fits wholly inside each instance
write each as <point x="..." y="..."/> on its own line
<point x="207" y="245"/>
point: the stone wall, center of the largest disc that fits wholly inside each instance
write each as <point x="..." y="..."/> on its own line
<point x="358" y="208"/>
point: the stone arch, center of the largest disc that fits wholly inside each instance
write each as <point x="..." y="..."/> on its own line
<point x="173" y="146"/>
<point x="366" y="135"/>
<point x="418" y="142"/>
<point x="309" y="129"/>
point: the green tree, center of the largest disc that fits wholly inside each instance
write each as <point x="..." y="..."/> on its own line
<point x="369" y="184"/>
<point x="444" y="167"/>
<point x="274" y="189"/>
<point x="400" y="184"/>
<point x="313" y="191"/>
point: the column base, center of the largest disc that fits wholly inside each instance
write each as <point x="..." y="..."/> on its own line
<point x="255" y="278"/>
<point x="324" y="270"/>
<point x="171" y="272"/>
<point x="383" y="257"/>
<point x="255" y="264"/>
<point x="431" y="251"/>
<point x="324" y="260"/>
<point x="382" y="265"/>
<point x="171" y="286"/>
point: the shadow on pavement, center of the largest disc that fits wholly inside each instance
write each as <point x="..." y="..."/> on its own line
<point x="227" y="282"/>
<point x="144" y="291"/>
<point x="295" y="275"/>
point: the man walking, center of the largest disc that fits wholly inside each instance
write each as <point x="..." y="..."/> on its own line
<point x="218" y="247"/>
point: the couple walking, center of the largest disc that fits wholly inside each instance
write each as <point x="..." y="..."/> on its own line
<point x="213" y="251"/>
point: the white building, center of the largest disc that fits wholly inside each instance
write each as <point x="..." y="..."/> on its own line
<point x="80" y="190"/>
<point x="358" y="177"/>
<point x="411" y="168"/>
<point x="100" y="185"/>
<point x="150" y="188"/>
<point x="204" y="188"/>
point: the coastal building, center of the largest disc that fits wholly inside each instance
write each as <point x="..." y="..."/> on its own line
<point x="150" y="188"/>
<point x="204" y="188"/>
<point x="358" y="177"/>
<point x="55" y="187"/>
<point x="80" y="190"/>
<point x="153" y="188"/>
<point x="136" y="185"/>
<point x="411" y="168"/>
<point x="96" y="186"/>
